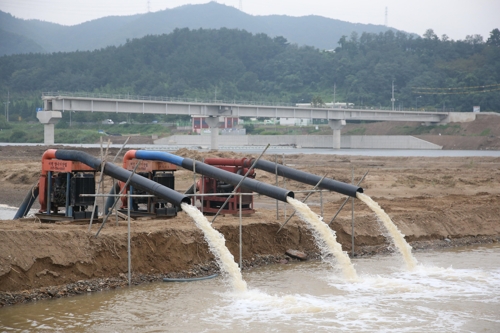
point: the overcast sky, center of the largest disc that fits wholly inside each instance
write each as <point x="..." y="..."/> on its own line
<point x="455" y="18"/>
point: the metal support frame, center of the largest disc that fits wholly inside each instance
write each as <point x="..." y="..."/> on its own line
<point x="116" y="201"/>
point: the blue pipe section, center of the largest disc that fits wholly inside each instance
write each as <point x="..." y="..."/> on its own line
<point x="159" y="156"/>
<point x="271" y="191"/>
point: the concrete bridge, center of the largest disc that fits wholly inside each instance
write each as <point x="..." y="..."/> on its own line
<point x="55" y="103"/>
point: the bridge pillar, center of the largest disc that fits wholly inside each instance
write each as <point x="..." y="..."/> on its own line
<point x="336" y="126"/>
<point x="213" y="122"/>
<point x="48" y="119"/>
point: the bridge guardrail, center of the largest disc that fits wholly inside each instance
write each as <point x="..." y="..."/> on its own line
<point x="233" y="102"/>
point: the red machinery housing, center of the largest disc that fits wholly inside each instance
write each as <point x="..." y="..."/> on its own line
<point x="61" y="183"/>
<point x="206" y="185"/>
<point x="157" y="171"/>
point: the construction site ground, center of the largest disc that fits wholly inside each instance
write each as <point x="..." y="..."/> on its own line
<point x="435" y="202"/>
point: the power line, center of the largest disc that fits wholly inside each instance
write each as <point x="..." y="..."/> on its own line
<point x="455" y="90"/>
<point x="455" y="93"/>
<point x="468" y="87"/>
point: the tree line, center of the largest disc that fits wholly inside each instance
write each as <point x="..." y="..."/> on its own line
<point x="228" y="64"/>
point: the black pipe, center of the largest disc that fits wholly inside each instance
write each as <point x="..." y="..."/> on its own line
<point x="27" y="202"/>
<point x="234" y="179"/>
<point x="190" y="279"/>
<point x="123" y="175"/>
<point x="307" y="178"/>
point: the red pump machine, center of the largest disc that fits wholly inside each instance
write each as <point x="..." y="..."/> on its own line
<point x="206" y="185"/>
<point x="157" y="171"/>
<point x="61" y="183"/>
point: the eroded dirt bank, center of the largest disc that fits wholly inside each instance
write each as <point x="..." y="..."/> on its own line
<point x="433" y="201"/>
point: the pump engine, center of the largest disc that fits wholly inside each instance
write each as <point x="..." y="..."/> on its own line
<point x="61" y="185"/>
<point x="207" y="185"/>
<point x="159" y="172"/>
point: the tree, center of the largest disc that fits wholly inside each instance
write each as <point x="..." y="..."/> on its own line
<point x="317" y="101"/>
<point x="494" y="39"/>
<point x="429" y="34"/>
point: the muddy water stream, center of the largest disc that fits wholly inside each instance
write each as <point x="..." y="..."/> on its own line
<point x="454" y="290"/>
<point x="217" y="244"/>
<point x="393" y="232"/>
<point x="325" y="238"/>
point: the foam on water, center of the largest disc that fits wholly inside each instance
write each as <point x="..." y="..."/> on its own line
<point x="217" y="245"/>
<point x="325" y="238"/>
<point x="426" y="299"/>
<point x="302" y="297"/>
<point x="397" y="237"/>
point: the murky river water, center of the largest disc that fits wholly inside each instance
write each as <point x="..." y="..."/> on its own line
<point x="454" y="290"/>
<point x="7" y="212"/>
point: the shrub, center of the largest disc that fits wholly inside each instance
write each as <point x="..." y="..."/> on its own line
<point x="18" y="136"/>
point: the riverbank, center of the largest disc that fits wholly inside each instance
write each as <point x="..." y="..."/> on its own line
<point x="441" y="201"/>
<point x="82" y="287"/>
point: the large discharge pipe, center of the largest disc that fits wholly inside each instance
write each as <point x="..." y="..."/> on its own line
<point x="213" y="172"/>
<point x="123" y="175"/>
<point x="27" y="203"/>
<point x="287" y="172"/>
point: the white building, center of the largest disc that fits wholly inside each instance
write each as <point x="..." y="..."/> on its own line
<point x="295" y="121"/>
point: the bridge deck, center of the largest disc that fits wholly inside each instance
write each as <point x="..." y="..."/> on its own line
<point x="121" y="104"/>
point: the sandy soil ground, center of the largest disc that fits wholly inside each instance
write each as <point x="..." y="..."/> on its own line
<point x="441" y="200"/>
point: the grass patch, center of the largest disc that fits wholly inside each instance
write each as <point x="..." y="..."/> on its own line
<point x="77" y="133"/>
<point x="356" y="131"/>
<point x="485" y="132"/>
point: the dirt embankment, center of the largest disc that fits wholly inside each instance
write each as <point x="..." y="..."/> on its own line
<point x="481" y="134"/>
<point x="432" y="200"/>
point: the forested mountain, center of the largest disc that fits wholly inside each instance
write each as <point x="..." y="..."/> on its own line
<point x="317" y="31"/>
<point x="12" y="43"/>
<point x="237" y="65"/>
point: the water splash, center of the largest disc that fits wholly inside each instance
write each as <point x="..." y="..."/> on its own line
<point x="326" y="239"/>
<point x="217" y="245"/>
<point x="398" y="238"/>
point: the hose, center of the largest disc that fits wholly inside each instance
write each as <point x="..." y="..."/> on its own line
<point x="190" y="279"/>
<point x="28" y="201"/>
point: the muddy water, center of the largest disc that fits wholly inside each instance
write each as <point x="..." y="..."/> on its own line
<point x="217" y="245"/>
<point x="325" y="238"/>
<point x="393" y="232"/>
<point x="7" y="212"/>
<point x="449" y="291"/>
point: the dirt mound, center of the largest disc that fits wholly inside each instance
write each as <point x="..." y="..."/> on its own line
<point x="199" y="155"/>
<point x="483" y="133"/>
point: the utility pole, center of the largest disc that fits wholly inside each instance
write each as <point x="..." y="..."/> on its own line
<point x="392" y="99"/>
<point x="7" y="106"/>
<point x="334" y="86"/>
